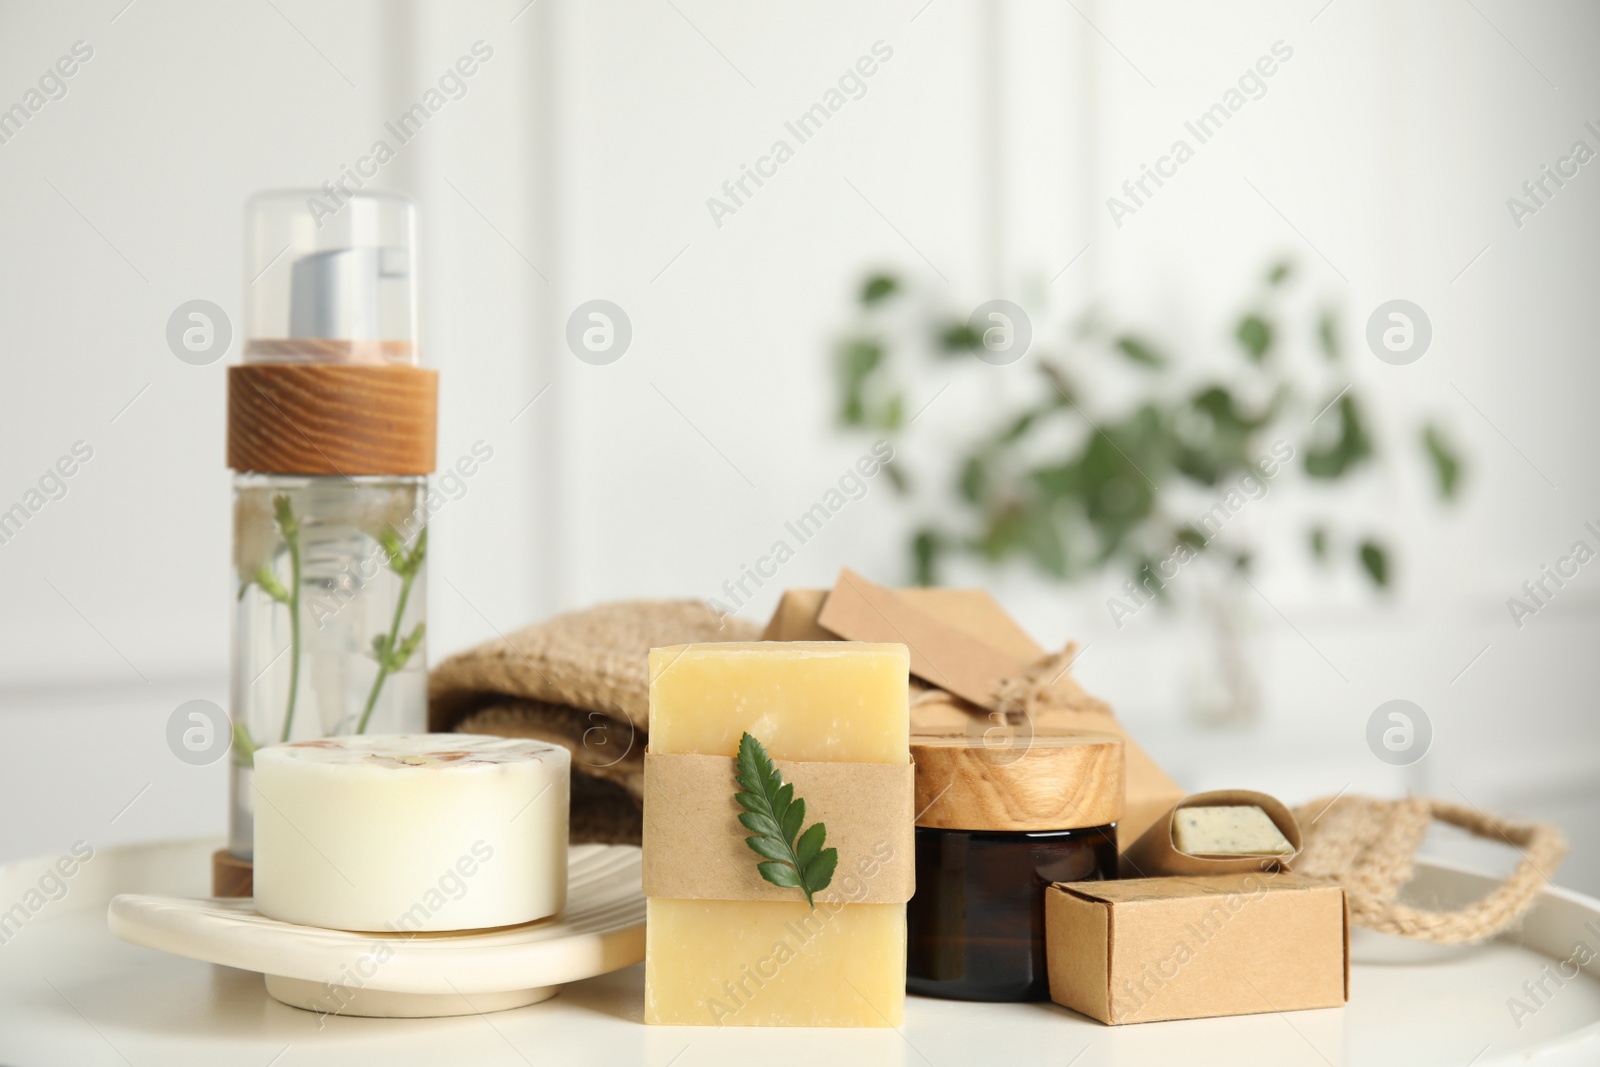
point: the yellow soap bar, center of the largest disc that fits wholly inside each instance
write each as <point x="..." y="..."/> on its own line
<point x="821" y="701"/>
<point x="764" y="963"/>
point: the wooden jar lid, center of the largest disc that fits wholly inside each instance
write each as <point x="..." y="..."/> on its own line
<point x="332" y="418"/>
<point x="1050" y="779"/>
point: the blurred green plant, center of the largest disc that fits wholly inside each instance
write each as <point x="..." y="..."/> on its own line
<point x="1105" y="498"/>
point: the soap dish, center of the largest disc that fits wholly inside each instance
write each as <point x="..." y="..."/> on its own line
<point x="408" y="976"/>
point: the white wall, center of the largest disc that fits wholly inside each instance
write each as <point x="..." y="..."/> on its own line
<point x="983" y="151"/>
<point x="181" y="114"/>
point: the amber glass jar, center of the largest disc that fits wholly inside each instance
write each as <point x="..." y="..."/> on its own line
<point x="976" y="924"/>
<point x="998" y="826"/>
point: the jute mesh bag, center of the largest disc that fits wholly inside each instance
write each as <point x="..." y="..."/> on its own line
<point x="580" y="680"/>
<point x="1370" y="847"/>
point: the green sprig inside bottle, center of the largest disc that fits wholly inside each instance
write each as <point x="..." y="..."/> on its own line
<point x="244" y="746"/>
<point x="390" y="650"/>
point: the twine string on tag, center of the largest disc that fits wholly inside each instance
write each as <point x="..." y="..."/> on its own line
<point x="1045" y="685"/>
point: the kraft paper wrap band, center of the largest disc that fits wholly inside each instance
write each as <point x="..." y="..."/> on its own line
<point x="694" y="843"/>
<point x="1154" y="854"/>
<point x="332" y="418"/>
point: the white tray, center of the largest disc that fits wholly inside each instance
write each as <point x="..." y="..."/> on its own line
<point x="71" y="993"/>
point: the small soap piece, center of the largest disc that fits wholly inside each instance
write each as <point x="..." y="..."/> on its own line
<point x="1238" y="830"/>
<point x="411" y="833"/>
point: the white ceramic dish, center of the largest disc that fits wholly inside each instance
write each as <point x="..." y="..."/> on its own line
<point x="410" y="976"/>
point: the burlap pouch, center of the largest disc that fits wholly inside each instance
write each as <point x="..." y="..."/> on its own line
<point x="580" y="680"/>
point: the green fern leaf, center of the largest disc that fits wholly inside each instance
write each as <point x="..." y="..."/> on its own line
<point x="774" y="815"/>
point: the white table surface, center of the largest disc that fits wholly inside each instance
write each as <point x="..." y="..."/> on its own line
<point x="70" y="993"/>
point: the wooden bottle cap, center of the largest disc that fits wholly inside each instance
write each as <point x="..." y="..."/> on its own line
<point x="1047" y="779"/>
<point x="332" y="418"/>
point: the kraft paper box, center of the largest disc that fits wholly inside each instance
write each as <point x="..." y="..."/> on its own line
<point x="1147" y="949"/>
<point x="961" y="642"/>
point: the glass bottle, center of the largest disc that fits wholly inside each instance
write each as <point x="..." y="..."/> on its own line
<point x="329" y="575"/>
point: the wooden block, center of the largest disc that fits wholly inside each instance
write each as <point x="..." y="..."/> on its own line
<point x="231" y="876"/>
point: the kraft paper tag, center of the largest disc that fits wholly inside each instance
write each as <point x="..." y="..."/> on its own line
<point x="941" y="655"/>
<point x="694" y="844"/>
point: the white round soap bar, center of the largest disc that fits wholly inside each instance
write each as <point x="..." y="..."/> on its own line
<point x="411" y="832"/>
